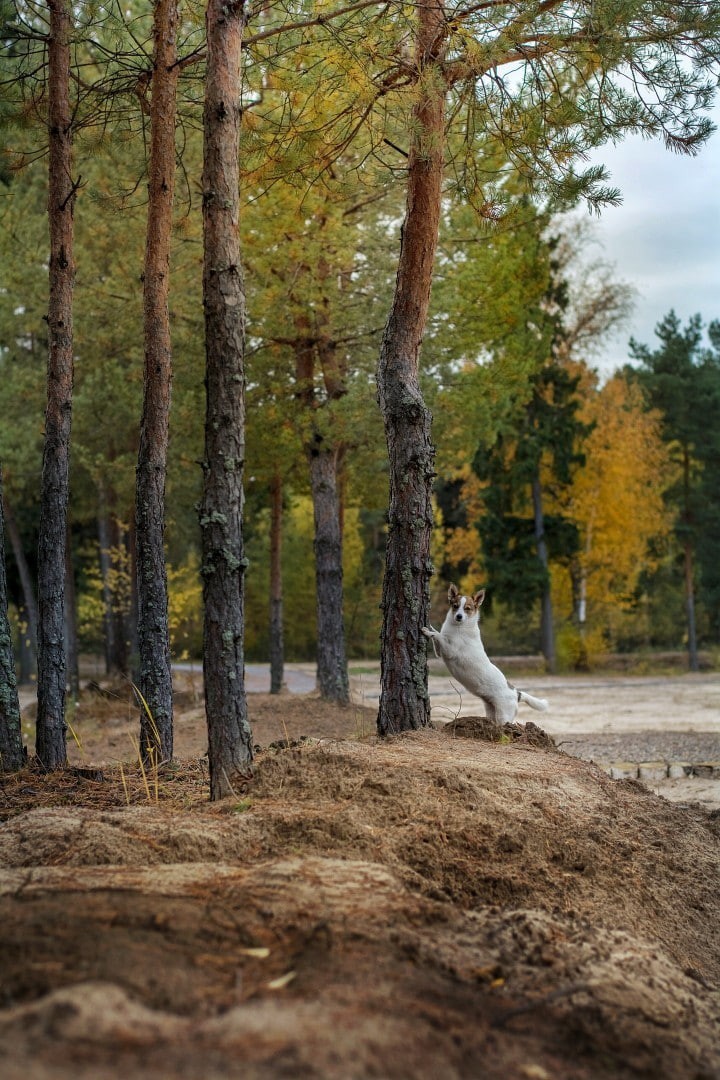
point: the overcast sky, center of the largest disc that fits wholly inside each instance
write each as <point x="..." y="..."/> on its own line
<point x="665" y="237"/>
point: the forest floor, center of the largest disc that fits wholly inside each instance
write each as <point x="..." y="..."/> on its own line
<point x="430" y="905"/>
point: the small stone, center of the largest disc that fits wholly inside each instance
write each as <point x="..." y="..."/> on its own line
<point x="678" y="770"/>
<point x="534" y="1072"/>
<point x="707" y="770"/>
<point x="652" y="770"/>
<point x="624" y="770"/>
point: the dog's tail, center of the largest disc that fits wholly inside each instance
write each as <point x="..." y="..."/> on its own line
<point x="541" y="704"/>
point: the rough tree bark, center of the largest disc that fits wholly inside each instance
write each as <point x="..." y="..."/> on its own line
<point x="223" y="562"/>
<point x="50" y="745"/>
<point x="332" y="669"/>
<point x="277" y="640"/>
<point x="12" y="753"/>
<point x="404" y="701"/>
<point x="324" y="456"/>
<point x="155" y="674"/>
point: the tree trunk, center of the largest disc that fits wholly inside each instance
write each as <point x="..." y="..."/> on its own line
<point x="28" y="609"/>
<point x="133" y="659"/>
<point x="12" y="752"/>
<point x="109" y="616"/>
<point x="404" y="701"/>
<point x="103" y="528"/>
<point x="689" y="574"/>
<point x="693" y="658"/>
<point x="155" y="674"/>
<point x="547" y="631"/>
<point x="332" y="670"/>
<point x="277" y="643"/>
<point x="71" y="638"/>
<point x="50" y="743"/>
<point x="223" y="562"/>
<point x="332" y="673"/>
<point x="118" y="570"/>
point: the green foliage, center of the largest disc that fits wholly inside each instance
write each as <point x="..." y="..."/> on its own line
<point x="682" y="380"/>
<point x="185" y="608"/>
<point x="531" y="88"/>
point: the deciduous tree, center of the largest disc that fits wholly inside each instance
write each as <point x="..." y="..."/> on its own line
<point x="616" y="502"/>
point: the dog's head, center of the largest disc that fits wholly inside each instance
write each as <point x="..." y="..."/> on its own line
<point x="464" y="608"/>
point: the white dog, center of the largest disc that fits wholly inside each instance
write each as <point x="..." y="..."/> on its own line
<point x="460" y="646"/>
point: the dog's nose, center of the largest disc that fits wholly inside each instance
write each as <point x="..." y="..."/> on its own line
<point x="458" y="617"/>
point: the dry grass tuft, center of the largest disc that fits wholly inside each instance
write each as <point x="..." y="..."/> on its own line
<point x="183" y="786"/>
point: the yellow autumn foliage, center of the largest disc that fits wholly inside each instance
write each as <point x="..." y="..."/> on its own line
<point x="616" y="500"/>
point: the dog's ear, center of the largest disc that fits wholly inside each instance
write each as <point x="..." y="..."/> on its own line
<point x="479" y="597"/>
<point x="453" y="593"/>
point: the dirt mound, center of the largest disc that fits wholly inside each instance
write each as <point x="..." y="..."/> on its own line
<point x="480" y="727"/>
<point x="423" y="906"/>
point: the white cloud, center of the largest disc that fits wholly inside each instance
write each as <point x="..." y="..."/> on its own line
<point x="665" y="238"/>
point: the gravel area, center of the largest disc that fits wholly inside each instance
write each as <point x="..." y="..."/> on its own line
<point x="689" y="746"/>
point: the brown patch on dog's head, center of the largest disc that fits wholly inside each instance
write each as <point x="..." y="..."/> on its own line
<point x="471" y="602"/>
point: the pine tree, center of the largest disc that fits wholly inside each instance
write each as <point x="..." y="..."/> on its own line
<point x="682" y="380"/>
<point x="156" y="714"/>
<point x="50" y="744"/>
<point x="223" y="560"/>
<point x="544" y="82"/>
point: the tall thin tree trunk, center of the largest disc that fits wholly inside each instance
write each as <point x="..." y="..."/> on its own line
<point x="118" y="570"/>
<point x="693" y="658"/>
<point x="404" y="701"/>
<point x="133" y="659"/>
<point x="223" y="561"/>
<point x="323" y="457"/>
<point x="103" y="525"/>
<point x="547" y="630"/>
<point x="688" y="570"/>
<point x="12" y="752"/>
<point x="71" y="638"/>
<point x="156" y="714"/>
<point x="277" y="641"/>
<point x="332" y="669"/>
<point x="29" y="606"/>
<point x="50" y="742"/>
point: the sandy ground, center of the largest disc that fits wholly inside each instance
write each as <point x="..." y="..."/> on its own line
<point x="431" y="905"/>
<point x="588" y="703"/>
<point x="580" y="705"/>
